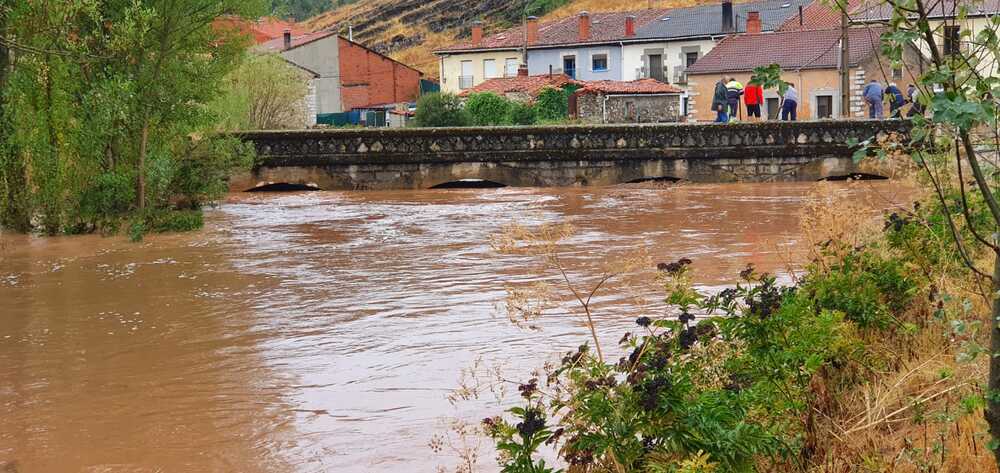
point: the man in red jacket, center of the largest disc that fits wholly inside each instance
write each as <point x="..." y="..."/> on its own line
<point x="753" y="96"/>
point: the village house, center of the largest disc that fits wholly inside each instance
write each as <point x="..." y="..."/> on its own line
<point x="946" y="24"/>
<point x="665" y="48"/>
<point x="809" y="59"/>
<point x="641" y="101"/>
<point x="620" y="46"/>
<point x="351" y="76"/>
<point x="585" y="47"/>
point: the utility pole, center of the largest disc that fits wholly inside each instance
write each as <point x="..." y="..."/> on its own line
<point x="845" y="60"/>
<point x="524" y="23"/>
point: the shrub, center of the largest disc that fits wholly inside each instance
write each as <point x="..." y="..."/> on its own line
<point x="487" y="109"/>
<point x="441" y="109"/>
<point x="552" y="104"/>
<point x="521" y="114"/>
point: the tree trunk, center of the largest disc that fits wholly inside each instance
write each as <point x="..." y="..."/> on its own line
<point x="993" y="385"/>
<point x="143" y="141"/>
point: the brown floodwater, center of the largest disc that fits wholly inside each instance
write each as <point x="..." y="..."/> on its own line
<point x="323" y="331"/>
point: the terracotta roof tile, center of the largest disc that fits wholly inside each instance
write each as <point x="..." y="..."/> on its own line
<point x="814" y="49"/>
<point x="278" y="44"/>
<point x="605" y="27"/>
<point x="530" y="85"/>
<point x="641" y="86"/>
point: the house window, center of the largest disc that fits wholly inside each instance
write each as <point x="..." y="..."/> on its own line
<point x="897" y="73"/>
<point x="465" y="78"/>
<point x="510" y="67"/>
<point x="490" y="68"/>
<point x="569" y="66"/>
<point x="690" y="59"/>
<point x="952" y="40"/>
<point x="824" y="106"/>
<point x="599" y="62"/>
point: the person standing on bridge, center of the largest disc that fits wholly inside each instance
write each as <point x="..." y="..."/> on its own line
<point x="734" y="90"/>
<point x="719" y="101"/>
<point x="873" y="93"/>
<point x="790" y="106"/>
<point x="753" y="96"/>
<point x="896" y="100"/>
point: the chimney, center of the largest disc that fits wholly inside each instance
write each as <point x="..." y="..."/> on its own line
<point x="630" y="26"/>
<point x="522" y="71"/>
<point x="477" y="33"/>
<point x="288" y="39"/>
<point x="801" y="19"/>
<point x="753" y="22"/>
<point x="584" y="26"/>
<point x="532" y="29"/>
<point x="727" y="16"/>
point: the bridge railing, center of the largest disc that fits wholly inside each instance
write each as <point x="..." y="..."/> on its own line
<point x="684" y="141"/>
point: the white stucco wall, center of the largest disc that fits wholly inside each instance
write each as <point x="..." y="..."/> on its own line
<point x="634" y="55"/>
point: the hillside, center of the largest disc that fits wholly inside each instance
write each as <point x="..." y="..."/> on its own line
<point x="409" y="30"/>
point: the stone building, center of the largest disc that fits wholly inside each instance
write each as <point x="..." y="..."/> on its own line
<point x="640" y="101"/>
<point x="809" y="59"/>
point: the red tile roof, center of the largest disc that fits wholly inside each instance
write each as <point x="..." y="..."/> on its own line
<point x="530" y="85"/>
<point x="278" y="44"/>
<point x="815" y="49"/>
<point x="604" y="27"/>
<point x="262" y="30"/>
<point x="641" y="86"/>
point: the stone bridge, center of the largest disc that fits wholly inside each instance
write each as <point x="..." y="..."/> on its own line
<point x="420" y="158"/>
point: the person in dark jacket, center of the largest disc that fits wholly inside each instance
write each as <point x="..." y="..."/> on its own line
<point x="719" y="101"/>
<point x="896" y="100"/>
<point x="916" y="108"/>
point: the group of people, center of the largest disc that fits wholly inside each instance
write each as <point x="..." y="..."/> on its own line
<point x="726" y="100"/>
<point x="729" y="92"/>
<point x="875" y="95"/>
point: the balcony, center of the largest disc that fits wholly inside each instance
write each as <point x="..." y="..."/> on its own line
<point x="680" y="75"/>
<point x="465" y="82"/>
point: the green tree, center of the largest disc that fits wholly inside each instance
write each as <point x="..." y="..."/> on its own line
<point x="100" y="92"/>
<point x="441" y="109"/>
<point x="264" y="93"/>
<point x="487" y="109"/>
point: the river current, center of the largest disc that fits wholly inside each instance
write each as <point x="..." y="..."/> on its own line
<point x="323" y="331"/>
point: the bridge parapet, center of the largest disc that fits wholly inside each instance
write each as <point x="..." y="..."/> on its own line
<point x="415" y="157"/>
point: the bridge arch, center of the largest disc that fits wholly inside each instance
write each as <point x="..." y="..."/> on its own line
<point x="855" y="176"/>
<point x="655" y="179"/>
<point x="469" y="184"/>
<point x="283" y="187"/>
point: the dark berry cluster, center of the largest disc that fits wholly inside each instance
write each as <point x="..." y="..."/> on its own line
<point x="533" y="422"/>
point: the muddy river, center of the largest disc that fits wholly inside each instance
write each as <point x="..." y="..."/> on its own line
<point x="323" y="331"/>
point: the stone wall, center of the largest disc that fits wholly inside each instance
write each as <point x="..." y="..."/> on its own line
<point x="592" y="108"/>
<point x="559" y="155"/>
